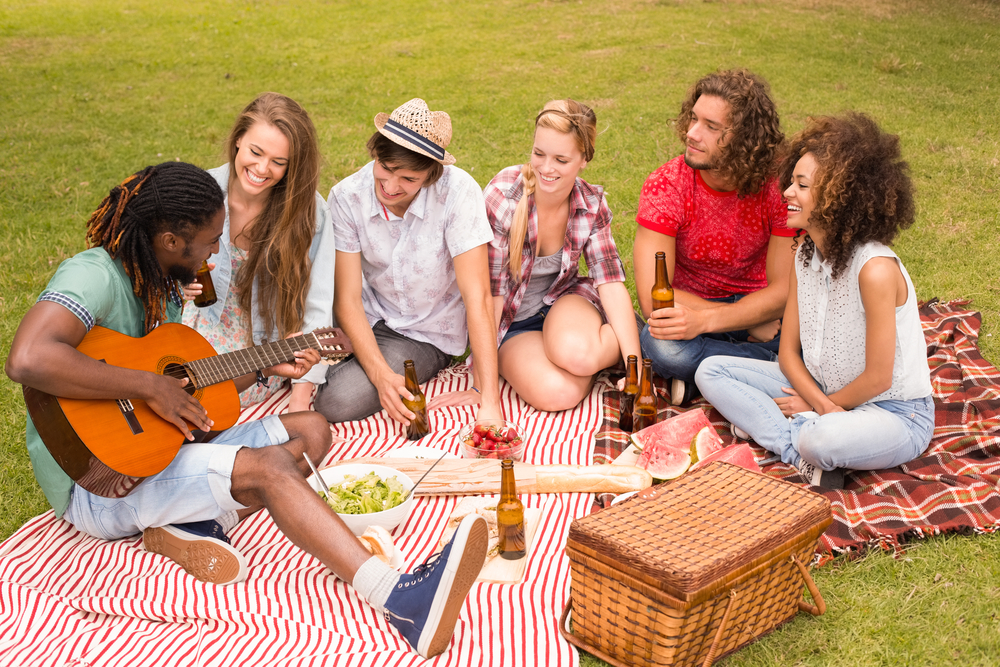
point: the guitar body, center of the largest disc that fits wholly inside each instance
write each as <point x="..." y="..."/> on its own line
<point x="109" y="446"/>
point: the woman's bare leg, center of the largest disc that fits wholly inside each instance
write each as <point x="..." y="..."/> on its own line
<point x="554" y="369"/>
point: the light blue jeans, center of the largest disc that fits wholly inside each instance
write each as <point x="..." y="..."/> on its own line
<point x="680" y="358"/>
<point x="196" y="486"/>
<point x="872" y="436"/>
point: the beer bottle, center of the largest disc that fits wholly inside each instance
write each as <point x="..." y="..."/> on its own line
<point x="510" y="515"/>
<point x="626" y="400"/>
<point x="418" y="406"/>
<point x="663" y="293"/>
<point x="644" y="412"/>
<point x="207" y="296"/>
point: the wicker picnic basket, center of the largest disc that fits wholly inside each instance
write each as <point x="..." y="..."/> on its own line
<point x="691" y="570"/>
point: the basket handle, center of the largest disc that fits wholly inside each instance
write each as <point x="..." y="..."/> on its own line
<point x="820" y="607"/>
<point x="572" y="639"/>
<point x="710" y="658"/>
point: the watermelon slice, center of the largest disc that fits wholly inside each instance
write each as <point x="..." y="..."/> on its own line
<point x="676" y="432"/>
<point x="739" y="454"/>
<point x="666" y="462"/>
<point x="666" y="447"/>
<point x="705" y="443"/>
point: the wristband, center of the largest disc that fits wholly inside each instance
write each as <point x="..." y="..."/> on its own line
<point x="475" y="389"/>
<point x="261" y="380"/>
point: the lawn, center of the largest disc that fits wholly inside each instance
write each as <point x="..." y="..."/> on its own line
<point x="92" y="91"/>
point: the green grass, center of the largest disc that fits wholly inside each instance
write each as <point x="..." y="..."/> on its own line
<point x="92" y="91"/>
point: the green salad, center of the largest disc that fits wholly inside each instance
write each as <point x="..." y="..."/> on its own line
<point x="364" y="495"/>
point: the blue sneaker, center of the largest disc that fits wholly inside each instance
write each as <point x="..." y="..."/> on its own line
<point x="201" y="548"/>
<point x="424" y="606"/>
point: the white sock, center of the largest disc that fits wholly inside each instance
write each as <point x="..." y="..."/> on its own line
<point x="228" y="521"/>
<point x="375" y="581"/>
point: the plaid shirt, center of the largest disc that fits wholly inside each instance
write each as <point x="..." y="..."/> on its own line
<point x="588" y="232"/>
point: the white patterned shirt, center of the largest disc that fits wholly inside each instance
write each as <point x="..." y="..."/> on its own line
<point x="832" y="327"/>
<point x="408" y="273"/>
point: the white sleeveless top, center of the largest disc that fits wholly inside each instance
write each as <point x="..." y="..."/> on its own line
<point x="832" y="327"/>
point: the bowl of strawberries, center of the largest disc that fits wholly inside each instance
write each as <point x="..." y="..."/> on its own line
<point x="492" y="439"/>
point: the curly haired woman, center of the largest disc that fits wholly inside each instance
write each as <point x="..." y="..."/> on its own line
<point x="556" y="329"/>
<point x="851" y="388"/>
<point x="273" y="274"/>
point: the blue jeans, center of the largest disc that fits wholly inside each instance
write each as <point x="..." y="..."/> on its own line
<point x="196" y="486"/>
<point x="871" y="436"/>
<point x="680" y="358"/>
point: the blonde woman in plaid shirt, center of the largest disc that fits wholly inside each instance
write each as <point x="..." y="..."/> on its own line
<point x="556" y="328"/>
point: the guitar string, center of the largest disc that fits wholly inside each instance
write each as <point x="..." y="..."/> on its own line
<point x="212" y="370"/>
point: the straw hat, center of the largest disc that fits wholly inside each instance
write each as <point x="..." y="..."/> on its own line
<point x="416" y="127"/>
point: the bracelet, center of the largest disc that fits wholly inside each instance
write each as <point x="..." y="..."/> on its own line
<point x="261" y="380"/>
<point x="476" y="389"/>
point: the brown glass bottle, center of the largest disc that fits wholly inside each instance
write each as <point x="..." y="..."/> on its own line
<point x="644" y="412"/>
<point x="663" y="293"/>
<point x="418" y="406"/>
<point x="510" y="515"/>
<point x="626" y="400"/>
<point x="207" y="296"/>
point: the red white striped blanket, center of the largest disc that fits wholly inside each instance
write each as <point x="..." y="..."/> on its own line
<point x="70" y="599"/>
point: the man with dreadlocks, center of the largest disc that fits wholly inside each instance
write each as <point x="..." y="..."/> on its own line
<point x="717" y="213"/>
<point x="149" y="236"/>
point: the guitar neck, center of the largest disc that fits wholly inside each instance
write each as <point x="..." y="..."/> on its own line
<point x="222" y="367"/>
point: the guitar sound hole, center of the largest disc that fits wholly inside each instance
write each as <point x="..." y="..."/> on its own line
<point x="179" y="372"/>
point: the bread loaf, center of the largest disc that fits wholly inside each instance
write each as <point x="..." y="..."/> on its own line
<point x="473" y="477"/>
<point x="378" y="542"/>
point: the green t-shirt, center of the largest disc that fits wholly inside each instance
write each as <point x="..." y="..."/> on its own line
<point x="96" y="289"/>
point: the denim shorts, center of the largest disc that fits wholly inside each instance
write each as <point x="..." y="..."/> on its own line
<point x="533" y="323"/>
<point x="194" y="487"/>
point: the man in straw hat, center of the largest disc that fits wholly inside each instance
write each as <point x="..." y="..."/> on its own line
<point x="412" y="274"/>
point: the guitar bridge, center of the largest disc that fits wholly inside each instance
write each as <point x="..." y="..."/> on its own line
<point x="128" y="411"/>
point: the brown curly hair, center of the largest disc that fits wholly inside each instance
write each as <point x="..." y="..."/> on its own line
<point x="754" y="134"/>
<point x="861" y="190"/>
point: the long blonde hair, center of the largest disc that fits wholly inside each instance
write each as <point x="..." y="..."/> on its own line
<point x="280" y="236"/>
<point x="568" y="117"/>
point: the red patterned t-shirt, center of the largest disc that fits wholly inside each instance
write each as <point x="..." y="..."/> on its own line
<point x="721" y="240"/>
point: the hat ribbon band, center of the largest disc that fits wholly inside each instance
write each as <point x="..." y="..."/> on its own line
<point x="411" y="136"/>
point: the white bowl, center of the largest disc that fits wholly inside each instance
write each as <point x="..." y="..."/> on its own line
<point x="387" y="519"/>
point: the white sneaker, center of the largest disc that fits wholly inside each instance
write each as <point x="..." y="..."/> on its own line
<point x="738" y="432"/>
<point x="677" y="390"/>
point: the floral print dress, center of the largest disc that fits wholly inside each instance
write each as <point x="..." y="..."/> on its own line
<point x="230" y="334"/>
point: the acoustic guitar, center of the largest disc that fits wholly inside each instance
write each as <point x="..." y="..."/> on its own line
<point x="109" y="446"/>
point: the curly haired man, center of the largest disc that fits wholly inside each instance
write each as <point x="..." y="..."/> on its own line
<point x="717" y="213"/>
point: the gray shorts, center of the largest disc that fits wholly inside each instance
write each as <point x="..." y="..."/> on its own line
<point x="194" y="487"/>
<point x="349" y="395"/>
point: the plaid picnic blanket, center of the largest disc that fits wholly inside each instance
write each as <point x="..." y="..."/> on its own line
<point x="954" y="487"/>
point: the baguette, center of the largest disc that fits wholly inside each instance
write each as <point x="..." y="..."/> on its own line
<point x="588" y="479"/>
<point x="477" y="476"/>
